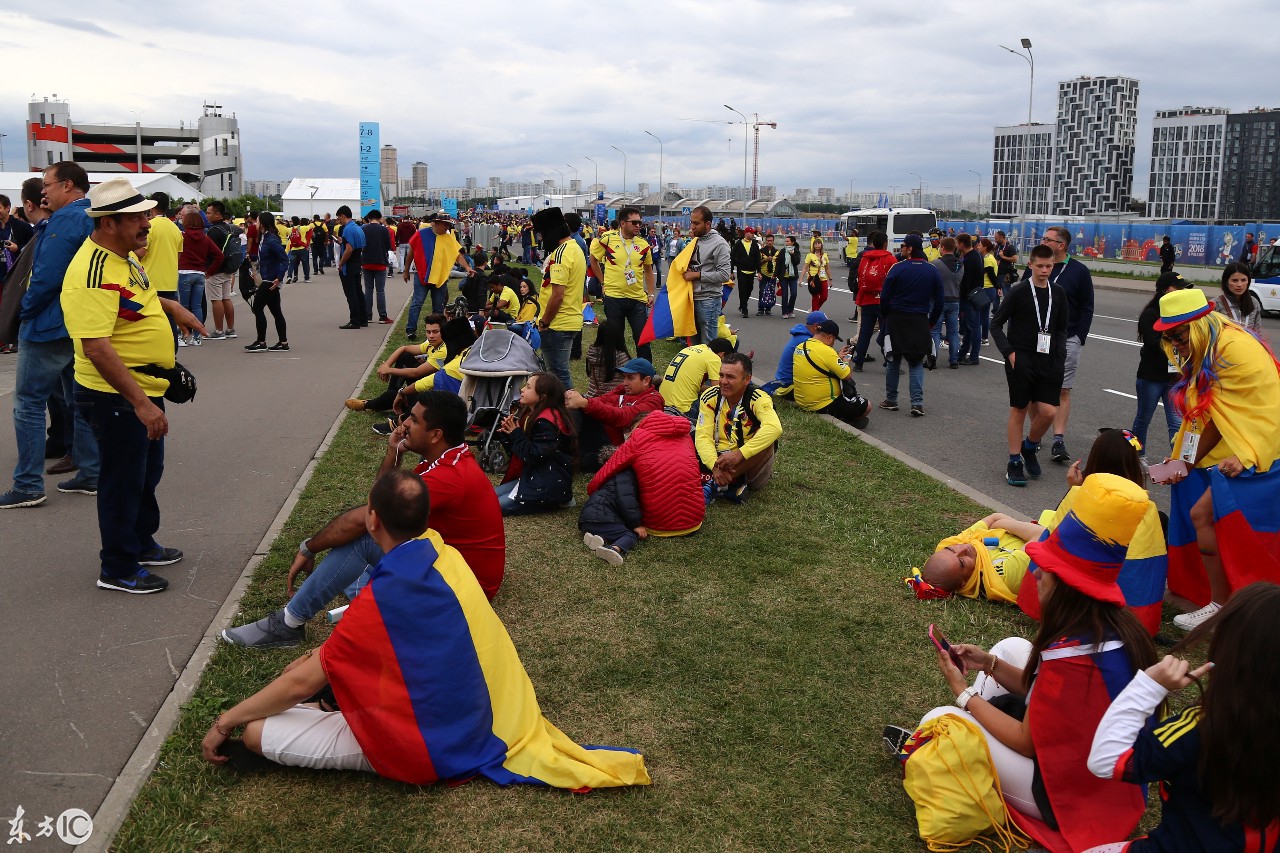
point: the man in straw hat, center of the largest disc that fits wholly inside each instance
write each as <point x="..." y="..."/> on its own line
<point x="1223" y="532"/>
<point x="118" y="323"/>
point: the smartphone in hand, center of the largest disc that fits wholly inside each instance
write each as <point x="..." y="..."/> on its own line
<point x="1163" y="472"/>
<point x="941" y="642"/>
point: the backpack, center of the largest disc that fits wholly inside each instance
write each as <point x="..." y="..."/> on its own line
<point x="871" y="278"/>
<point x="295" y="238"/>
<point x="232" y="248"/>
<point x="951" y="779"/>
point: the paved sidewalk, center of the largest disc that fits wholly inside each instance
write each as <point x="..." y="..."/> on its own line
<point x="85" y="669"/>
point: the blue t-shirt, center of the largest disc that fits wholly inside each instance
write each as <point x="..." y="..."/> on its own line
<point x="353" y="236"/>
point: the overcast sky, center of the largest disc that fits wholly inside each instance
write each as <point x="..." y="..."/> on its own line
<point x="868" y="91"/>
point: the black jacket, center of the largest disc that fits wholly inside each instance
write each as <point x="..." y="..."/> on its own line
<point x="744" y="259"/>
<point x="617" y="499"/>
<point x="546" y="474"/>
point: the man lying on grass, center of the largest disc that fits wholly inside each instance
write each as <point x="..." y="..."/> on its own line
<point x="420" y="700"/>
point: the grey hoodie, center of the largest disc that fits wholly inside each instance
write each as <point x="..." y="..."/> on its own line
<point x="711" y="258"/>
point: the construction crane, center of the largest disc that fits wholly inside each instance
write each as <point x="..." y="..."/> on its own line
<point x="757" y="124"/>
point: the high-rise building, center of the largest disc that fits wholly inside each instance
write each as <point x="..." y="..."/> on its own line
<point x="575" y="186"/>
<point x="767" y="192"/>
<point x="390" y="166"/>
<point x="1250" y="190"/>
<point x="827" y="195"/>
<point x="472" y="183"/>
<point x="419" y="176"/>
<point x="1094" y="145"/>
<point x="802" y="194"/>
<point x="1022" y="170"/>
<point x="642" y="188"/>
<point x="205" y="154"/>
<point x="1186" y="163"/>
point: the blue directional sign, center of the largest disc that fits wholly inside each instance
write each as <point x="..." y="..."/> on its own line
<point x="370" y="167"/>
<point x="686" y="210"/>
<point x="600" y="213"/>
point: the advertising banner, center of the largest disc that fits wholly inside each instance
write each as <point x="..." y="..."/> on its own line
<point x="370" y="167"/>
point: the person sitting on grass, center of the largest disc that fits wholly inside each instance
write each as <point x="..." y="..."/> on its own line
<point x="407" y="365"/>
<point x="419" y="700"/>
<point x="737" y="433"/>
<point x="821" y="378"/>
<point x="530" y="307"/>
<point x="650" y="486"/>
<point x="542" y="443"/>
<point x="782" y="375"/>
<point x="463" y="510"/>
<point x="502" y="304"/>
<point x="689" y="373"/>
<point x="603" y="419"/>
<point x="1038" y="703"/>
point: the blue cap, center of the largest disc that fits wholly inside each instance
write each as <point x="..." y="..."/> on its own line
<point x="814" y="318"/>
<point x="642" y="366"/>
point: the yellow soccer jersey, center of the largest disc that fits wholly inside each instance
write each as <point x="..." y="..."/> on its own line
<point x="566" y="267"/>
<point x="684" y="377"/>
<point x="624" y="263"/>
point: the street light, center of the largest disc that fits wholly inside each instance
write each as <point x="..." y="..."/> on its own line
<point x="561" y="174"/>
<point x="979" y="204"/>
<point x="2" y="136"/>
<point x="575" y="174"/>
<point x="661" y="186"/>
<point x="744" y="160"/>
<point x="920" y="191"/>
<point x="851" y="193"/>
<point x="624" y="167"/>
<point x="1026" y="136"/>
<point x="593" y="163"/>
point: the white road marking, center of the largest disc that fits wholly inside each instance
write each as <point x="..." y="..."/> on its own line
<point x="1130" y="396"/>
<point x="1115" y="340"/>
<point x="1123" y="319"/>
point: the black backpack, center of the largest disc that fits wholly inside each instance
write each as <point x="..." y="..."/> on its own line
<point x="229" y="243"/>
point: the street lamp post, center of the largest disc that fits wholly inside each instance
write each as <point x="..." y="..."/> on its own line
<point x="624" y="167"/>
<point x="575" y="174"/>
<point x="745" y="128"/>
<point x="851" y="193"/>
<point x="2" y="136"/>
<point x="1023" y="166"/>
<point x="661" y="187"/>
<point x="597" y="181"/>
<point x="561" y="174"/>
<point x="978" y="211"/>
<point x="920" y="191"/>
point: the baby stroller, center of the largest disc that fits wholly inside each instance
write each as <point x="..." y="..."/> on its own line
<point x="493" y="372"/>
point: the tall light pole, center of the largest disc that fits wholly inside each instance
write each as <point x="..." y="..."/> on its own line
<point x="1026" y="136"/>
<point x="661" y="187"/>
<point x="561" y="174"/>
<point x="745" y="128"/>
<point x="575" y="174"/>
<point x="593" y="163"/>
<point x="2" y="136"/>
<point x="851" y="193"/>
<point x="920" y="191"/>
<point x="624" y="167"/>
<point x="978" y="211"/>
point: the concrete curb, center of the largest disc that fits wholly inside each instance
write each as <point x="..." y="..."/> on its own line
<point x="928" y="470"/>
<point x="115" y="807"/>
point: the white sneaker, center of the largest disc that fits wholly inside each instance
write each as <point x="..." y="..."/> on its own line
<point x="182" y="342"/>
<point x="592" y="541"/>
<point x="1196" y="618"/>
<point x="195" y="340"/>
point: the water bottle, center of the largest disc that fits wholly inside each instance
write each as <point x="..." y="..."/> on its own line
<point x="335" y="615"/>
<point x="991" y="541"/>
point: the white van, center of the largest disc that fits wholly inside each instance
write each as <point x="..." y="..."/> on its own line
<point x="897" y="222"/>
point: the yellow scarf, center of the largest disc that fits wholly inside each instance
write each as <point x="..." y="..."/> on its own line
<point x="985" y="575"/>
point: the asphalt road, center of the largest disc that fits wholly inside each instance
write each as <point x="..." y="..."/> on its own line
<point x="85" y="670"/>
<point x="963" y="431"/>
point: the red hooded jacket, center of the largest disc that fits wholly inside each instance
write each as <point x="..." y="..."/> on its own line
<point x="616" y="409"/>
<point x="872" y="269"/>
<point x="660" y="451"/>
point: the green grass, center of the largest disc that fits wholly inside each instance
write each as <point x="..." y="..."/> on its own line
<point x="754" y="664"/>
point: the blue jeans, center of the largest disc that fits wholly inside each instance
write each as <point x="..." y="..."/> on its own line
<point x="375" y="280"/>
<point x="950" y="316"/>
<point x="43" y="367"/>
<point x="635" y="313"/>
<point x="1150" y="393"/>
<point x="415" y="304"/>
<point x="510" y="506"/>
<point x="866" y="328"/>
<point x="556" y="347"/>
<point x="971" y="331"/>
<point x="191" y="293"/>
<point x="128" y="513"/>
<point x="915" y="376"/>
<point x="789" y="289"/>
<point x="299" y="257"/>
<point x="344" y="569"/>
<point x="706" y="318"/>
<point x="986" y="313"/>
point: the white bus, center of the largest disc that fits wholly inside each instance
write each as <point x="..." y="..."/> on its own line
<point x="897" y="222"/>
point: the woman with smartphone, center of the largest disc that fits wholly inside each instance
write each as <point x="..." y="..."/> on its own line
<point x="543" y="445"/>
<point x="1087" y="647"/>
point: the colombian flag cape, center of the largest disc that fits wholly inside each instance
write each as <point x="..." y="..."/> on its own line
<point x="1075" y="684"/>
<point x="434" y="255"/>
<point x="672" y="314"/>
<point x="433" y="689"/>
<point x="1142" y="576"/>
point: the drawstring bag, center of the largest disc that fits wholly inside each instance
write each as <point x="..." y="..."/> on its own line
<point x="951" y="780"/>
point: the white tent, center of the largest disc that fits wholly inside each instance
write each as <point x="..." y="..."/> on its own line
<point x="306" y="197"/>
<point x="146" y="183"/>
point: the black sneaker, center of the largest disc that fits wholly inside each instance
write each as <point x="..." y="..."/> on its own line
<point x="256" y="346"/>
<point x="160" y="556"/>
<point x="382" y="429"/>
<point x="1059" y="452"/>
<point x="410" y="336"/>
<point x="917" y="411"/>
<point x="1031" y="461"/>
<point x="349" y="326"/>
<point x="140" y="582"/>
<point x="269" y="632"/>
<point x="78" y="485"/>
<point x="280" y="347"/>
<point x="889" y="407"/>
<point x="1016" y="476"/>
<point x="895" y="738"/>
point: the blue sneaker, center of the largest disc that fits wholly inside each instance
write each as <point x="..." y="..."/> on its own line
<point x="14" y="499"/>
<point x="709" y="491"/>
<point x="140" y="582"/>
<point x="1016" y="476"/>
<point x="160" y="556"/>
<point x="1029" y="459"/>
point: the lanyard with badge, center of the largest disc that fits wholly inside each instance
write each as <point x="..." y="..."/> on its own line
<point x="628" y="273"/>
<point x="1042" y="336"/>
<point x="1190" y="443"/>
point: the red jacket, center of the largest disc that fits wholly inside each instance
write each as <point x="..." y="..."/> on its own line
<point x="199" y="253"/>
<point x="660" y="451"/>
<point x="616" y="409"/>
<point x="872" y="269"/>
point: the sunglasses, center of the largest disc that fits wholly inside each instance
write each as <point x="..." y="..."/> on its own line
<point x="1176" y="336"/>
<point x="635" y="222"/>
